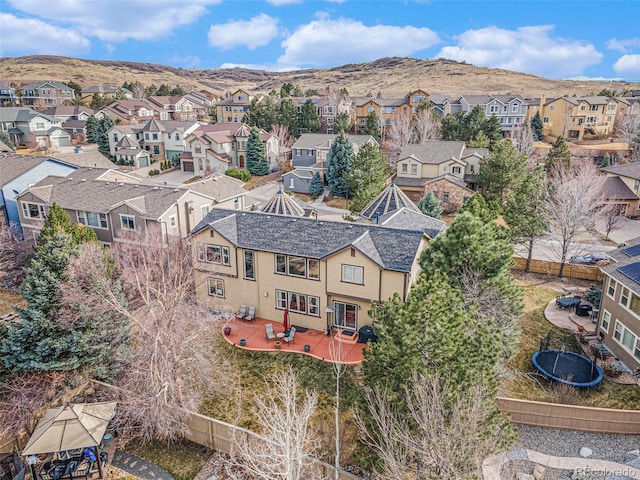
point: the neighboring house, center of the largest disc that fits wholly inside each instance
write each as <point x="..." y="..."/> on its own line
<point x="8" y="95"/>
<point x="233" y="108"/>
<point x="46" y="94"/>
<point x="328" y="106"/>
<point x="441" y="167"/>
<point x="510" y="110"/>
<point x="214" y="148"/>
<point x="70" y="112"/>
<point x="25" y="126"/>
<point x="330" y="275"/>
<point x="161" y="140"/>
<point x="18" y="173"/>
<point x="131" y="112"/>
<point x="105" y="92"/>
<point x="622" y="187"/>
<point x="112" y="202"/>
<point x="309" y="155"/>
<point x="226" y="192"/>
<point x="82" y="158"/>
<point x="619" y="315"/>
<point x="579" y="117"/>
<point x="386" y="109"/>
<point x="175" y="108"/>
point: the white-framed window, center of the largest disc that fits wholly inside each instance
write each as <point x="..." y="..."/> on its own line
<point x="617" y="331"/>
<point x="217" y="254"/>
<point x="155" y="136"/>
<point x="455" y="170"/>
<point x="313" y="269"/>
<point x="249" y="272"/>
<point x="418" y="98"/>
<point x="353" y="274"/>
<point x="593" y="108"/>
<point x="493" y="109"/>
<point x="204" y="210"/>
<point x="611" y="288"/>
<point x="612" y="106"/>
<point x="146" y="136"/>
<point x="370" y="109"/>
<point x="216" y="287"/>
<point x="313" y="306"/>
<point x="514" y="107"/>
<point x="606" y="321"/>
<point x="545" y="120"/>
<point x="624" y="297"/>
<point x="128" y="222"/>
<point x="404" y="168"/>
<point x="292" y="182"/>
<point x="40" y="126"/>
<point x="592" y="119"/>
<point x="345" y="315"/>
<point x="414" y="169"/>
<point x="628" y="339"/>
<point x="297" y="266"/>
<point x="298" y="303"/>
<point x="92" y="219"/>
<point x="173" y="221"/>
<point x="33" y="210"/>
<point x="281" y="300"/>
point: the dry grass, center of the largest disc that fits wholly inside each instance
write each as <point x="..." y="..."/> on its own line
<point x="9" y="298"/>
<point x="342" y="203"/>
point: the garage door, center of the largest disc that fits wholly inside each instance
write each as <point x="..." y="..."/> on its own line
<point x="187" y="166"/>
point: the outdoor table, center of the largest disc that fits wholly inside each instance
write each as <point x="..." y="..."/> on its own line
<point x="567" y="303"/>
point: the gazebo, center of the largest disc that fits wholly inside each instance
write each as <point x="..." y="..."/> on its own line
<point x="71" y="427"/>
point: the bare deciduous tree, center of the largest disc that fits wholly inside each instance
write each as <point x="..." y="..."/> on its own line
<point x="522" y="138"/>
<point x="282" y="133"/>
<point x="336" y="354"/>
<point x="138" y="90"/>
<point x="288" y="440"/>
<point x="571" y="204"/>
<point x="628" y="129"/>
<point x="172" y="359"/>
<point x="399" y="133"/>
<point x="426" y="126"/>
<point x="14" y="252"/>
<point x="444" y="437"/>
<point x="610" y="215"/>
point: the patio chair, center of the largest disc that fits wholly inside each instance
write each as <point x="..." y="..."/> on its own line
<point x="243" y="311"/>
<point x="251" y="314"/>
<point x="269" y="331"/>
<point x="291" y="336"/>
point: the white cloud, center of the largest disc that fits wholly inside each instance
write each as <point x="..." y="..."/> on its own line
<point x="623" y="46"/>
<point x="23" y="36"/>
<point x="584" y="78"/>
<point x="526" y="49"/>
<point x="118" y="21"/>
<point x="257" y="32"/>
<point x="628" y="65"/>
<point x="279" y="3"/>
<point x="334" y="42"/>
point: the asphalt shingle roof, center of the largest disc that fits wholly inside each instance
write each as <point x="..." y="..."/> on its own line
<point x="388" y="200"/>
<point x="283" y="204"/>
<point x="14" y="165"/>
<point x="394" y="249"/>
<point x="631" y="170"/>
<point x="622" y="259"/>
<point x="433" y="151"/>
<point x="315" y="140"/>
<point x="614" y="188"/>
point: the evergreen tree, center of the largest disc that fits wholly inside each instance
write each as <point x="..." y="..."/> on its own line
<point x="480" y="141"/>
<point x="430" y="205"/>
<point x="537" y="127"/>
<point x="606" y="161"/>
<point x="102" y="138"/>
<point x="559" y="157"/>
<point x="473" y="123"/>
<point x="257" y="163"/>
<point x="97" y="101"/>
<point x="163" y="91"/>
<point x="451" y="127"/>
<point x="373" y="125"/>
<point x="57" y="221"/>
<point x="308" y="119"/>
<point x="502" y="170"/>
<point x="479" y="207"/>
<point x="4" y="138"/>
<point x="366" y="175"/>
<point x="77" y="88"/>
<point x="285" y="90"/>
<point x="288" y="116"/>
<point x="92" y="129"/>
<point x="338" y="160"/>
<point x="316" y="188"/>
<point x="493" y="130"/>
<point x="177" y="91"/>
<point x="342" y="123"/>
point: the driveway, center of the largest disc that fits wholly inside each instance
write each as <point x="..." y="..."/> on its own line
<point x="623" y="231"/>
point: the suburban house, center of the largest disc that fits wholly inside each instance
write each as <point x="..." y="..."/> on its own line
<point x="322" y="273"/>
<point x="8" y="95"/>
<point x="577" y="117"/>
<point x="112" y="202"/>
<point x="233" y="108"/>
<point x="622" y="187"/>
<point x="25" y="126"/>
<point x="69" y="112"/>
<point x="511" y="110"/>
<point x="174" y="108"/>
<point x="132" y="112"/>
<point x="203" y="104"/>
<point x="161" y="140"/>
<point x="619" y="315"/>
<point x="442" y="167"/>
<point x="386" y="109"/>
<point x="329" y="104"/>
<point x="46" y="94"/>
<point x="214" y="148"/>
<point x="106" y="92"/>
<point x="309" y="155"/>
<point x="17" y="173"/>
<point x="225" y="191"/>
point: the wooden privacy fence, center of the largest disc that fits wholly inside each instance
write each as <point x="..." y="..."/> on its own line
<point x="571" y="270"/>
<point x="571" y="417"/>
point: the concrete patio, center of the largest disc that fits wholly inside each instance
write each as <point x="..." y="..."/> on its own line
<point x="568" y="320"/>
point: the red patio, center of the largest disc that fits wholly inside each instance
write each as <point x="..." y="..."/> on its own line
<point x="319" y="344"/>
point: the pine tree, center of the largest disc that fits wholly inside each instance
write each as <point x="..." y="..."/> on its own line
<point x="559" y="157"/>
<point x="256" y="158"/>
<point x="430" y="205"/>
<point x="373" y="125"/>
<point x="537" y="127"/>
<point x="606" y="161"/>
<point x="4" y="138"/>
<point x="102" y="139"/>
<point x="338" y="159"/>
<point x="92" y="129"/>
<point x="366" y="176"/>
<point x="502" y="170"/>
<point x="308" y="119"/>
<point x="493" y="130"/>
<point x="316" y="188"/>
<point x="57" y="221"/>
<point x="342" y="123"/>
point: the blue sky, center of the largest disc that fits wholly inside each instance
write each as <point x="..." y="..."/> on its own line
<point x="555" y="39"/>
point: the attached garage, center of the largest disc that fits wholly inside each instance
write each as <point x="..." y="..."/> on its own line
<point x="187" y="166"/>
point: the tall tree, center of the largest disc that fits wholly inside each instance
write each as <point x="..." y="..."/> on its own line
<point x="366" y="175"/>
<point x="57" y="220"/>
<point x="559" y="158"/>
<point x="628" y="129"/>
<point x="97" y="101"/>
<point x="525" y="213"/>
<point x="102" y="139"/>
<point x="257" y="163"/>
<point x="163" y="91"/>
<point x="338" y="160"/>
<point x="92" y="129"/>
<point x="493" y="130"/>
<point x="315" y="187"/>
<point x="571" y="203"/>
<point x="501" y="170"/>
<point x="430" y="205"/>
<point x="373" y="126"/>
<point x="399" y="133"/>
<point x="522" y="139"/>
<point x="426" y="125"/>
<point x="77" y="88"/>
<point x="473" y="123"/>
<point x="4" y="138"/>
<point x="342" y="123"/>
<point x="537" y="127"/>
<point x="452" y="127"/>
<point x="308" y="119"/>
<point x="288" y="116"/>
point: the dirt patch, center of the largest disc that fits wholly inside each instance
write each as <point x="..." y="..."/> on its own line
<point x="9" y="298"/>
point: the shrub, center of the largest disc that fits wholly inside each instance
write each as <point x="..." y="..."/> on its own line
<point x="154" y="172"/>
<point x="243" y="175"/>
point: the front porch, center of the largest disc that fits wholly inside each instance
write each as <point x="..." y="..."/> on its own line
<point x="345" y="350"/>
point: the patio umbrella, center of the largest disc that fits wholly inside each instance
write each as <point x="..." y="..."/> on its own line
<point x="285" y="320"/>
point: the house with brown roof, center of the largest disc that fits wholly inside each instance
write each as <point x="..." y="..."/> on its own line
<point x="233" y="108"/>
<point x="112" y="202"/>
<point x="106" y="92"/>
<point x="46" y="94"/>
<point x="226" y="192"/>
<point x="175" y="108"/>
<point x="622" y="187"/>
<point x="386" y="109"/>
<point x="131" y="112"/>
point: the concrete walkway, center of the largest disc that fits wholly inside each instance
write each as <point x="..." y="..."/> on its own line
<point x="139" y="467"/>
<point x="492" y="465"/>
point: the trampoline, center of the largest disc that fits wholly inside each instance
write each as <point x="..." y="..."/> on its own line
<point x="568" y="367"/>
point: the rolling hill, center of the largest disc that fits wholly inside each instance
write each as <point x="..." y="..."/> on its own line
<point x="392" y="77"/>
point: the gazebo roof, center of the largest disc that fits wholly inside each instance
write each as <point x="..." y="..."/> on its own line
<point x="387" y="201"/>
<point x="283" y="204"/>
